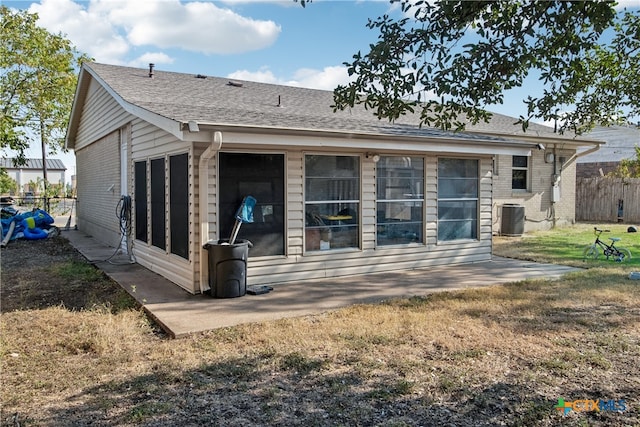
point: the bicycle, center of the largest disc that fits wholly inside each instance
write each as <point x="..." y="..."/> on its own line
<point x="593" y="251"/>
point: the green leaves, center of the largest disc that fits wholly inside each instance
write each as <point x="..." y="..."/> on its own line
<point x="37" y="82"/>
<point x="468" y="54"/>
<point x="628" y="168"/>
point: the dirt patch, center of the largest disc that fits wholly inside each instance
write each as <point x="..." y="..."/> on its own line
<point x="44" y="273"/>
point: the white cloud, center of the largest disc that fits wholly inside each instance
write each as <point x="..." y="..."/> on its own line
<point x="630" y="4"/>
<point x="281" y="3"/>
<point x="91" y="33"/>
<point x="151" y="57"/>
<point x="262" y="76"/>
<point x="197" y="27"/>
<point x="325" y="79"/>
<point x="108" y="29"/>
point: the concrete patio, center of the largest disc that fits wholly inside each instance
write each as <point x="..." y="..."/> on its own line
<point x="180" y="313"/>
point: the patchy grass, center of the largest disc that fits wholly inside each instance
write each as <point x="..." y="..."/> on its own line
<point x="566" y="245"/>
<point x="490" y="356"/>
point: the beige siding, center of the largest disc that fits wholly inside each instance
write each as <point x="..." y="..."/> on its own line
<point x="486" y="191"/>
<point x="295" y="204"/>
<point x="297" y="265"/>
<point x="368" y="208"/>
<point x="97" y="150"/>
<point x="431" y="200"/>
<point x="101" y="115"/>
<point x="195" y="240"/>
<point x="150" y="142"/>
<point x="98" y="175"/>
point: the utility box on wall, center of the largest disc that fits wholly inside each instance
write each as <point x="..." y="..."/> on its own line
<point x="555" y="194"/>
<point x="512" y="220"/>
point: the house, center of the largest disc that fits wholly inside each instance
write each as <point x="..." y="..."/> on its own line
<point x="338" y="193"/>
<point x="538" y="189"/>
<point x="620" y="144"/>
<point x="32" y="171"/>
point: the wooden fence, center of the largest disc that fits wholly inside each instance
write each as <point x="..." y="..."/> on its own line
<point x="608" y="199"/>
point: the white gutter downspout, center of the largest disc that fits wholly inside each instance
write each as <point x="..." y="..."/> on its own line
<point x="584" y="153"/>
<point x="203" y="190"/>
<point x="562" y="166"/>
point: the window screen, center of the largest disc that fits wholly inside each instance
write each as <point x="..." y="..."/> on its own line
<point x="458" y="181"/>
<point x="400" y="200"/>
<point x="140" y="194"/>
<point x="158" y="203"/>
<point x="179" y="204"/>
<point x="260" y="176"/>
<point x="332" y="202"/>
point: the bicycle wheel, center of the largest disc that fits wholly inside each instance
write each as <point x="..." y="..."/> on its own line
<point x="625" y="255"/>
<point x="590" y="252"/>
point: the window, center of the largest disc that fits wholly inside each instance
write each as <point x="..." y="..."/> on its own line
<point x="179" y="204"/>
<point x="519" y="172"/>
<point x="260" y="176"/>
<point x="153" y="204"/>
<point x="400" y="200"/>
<point x="457" y="199"/>
<point x="140" y="194"/>
<point x="158" y="203"/>
<point x="332" y="202"/>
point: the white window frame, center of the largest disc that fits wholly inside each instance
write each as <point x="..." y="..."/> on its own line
<point x="329" y="227"/>
<point x="464" y="199"/>
<point x="410" y="202"/>
<point x="527" y="171"/>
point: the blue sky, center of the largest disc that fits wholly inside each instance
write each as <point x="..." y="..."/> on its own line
<point x="261" y="40"/>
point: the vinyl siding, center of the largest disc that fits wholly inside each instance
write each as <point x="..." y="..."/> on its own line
<point x="98" y="177"/>
<point x="297" y="265"/>
<point x="100" y="167"/>
<point x="150" y="142"/>
<point x="101" y="115"/>
<point x="196" y="237"/>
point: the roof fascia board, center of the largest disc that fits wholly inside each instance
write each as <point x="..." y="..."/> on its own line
<point x="171" y="126"/>
<point x="543" y="139"/>
<point x="74" y="118"/>
<point x="388" y="143"/>
<point x="328" y="133"/>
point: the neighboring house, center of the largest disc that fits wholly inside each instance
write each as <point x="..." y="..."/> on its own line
<point x="338" y="193"/>
<point x="620" y="144"/>
<point x="32" y="172"/>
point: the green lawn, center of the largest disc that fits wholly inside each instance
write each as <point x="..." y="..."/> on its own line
<point x="566" y="245"/>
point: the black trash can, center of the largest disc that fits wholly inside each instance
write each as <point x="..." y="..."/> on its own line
<point x="228" y="268"/>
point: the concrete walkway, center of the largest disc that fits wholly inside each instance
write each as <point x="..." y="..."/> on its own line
<point x="180" y="313"/>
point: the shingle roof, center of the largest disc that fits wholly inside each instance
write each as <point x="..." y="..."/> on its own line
<point x="620" y="143"/>
<point x="219" y="101"/>
<point x="52" y="164"/>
